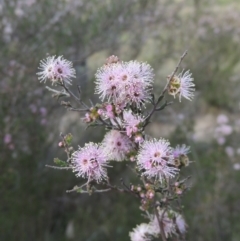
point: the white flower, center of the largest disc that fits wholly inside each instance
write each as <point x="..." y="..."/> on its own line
<point x="56" y="69"/>
<point x="182" y="85"/>
<point x="140" y="233"/>
<point x="180" y="223"/>
<point x="167" y="224"/>
<point x="172" y="222"/>
<point x="47" y="69"/>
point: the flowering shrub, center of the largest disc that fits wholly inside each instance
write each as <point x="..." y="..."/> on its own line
<point x="125" y="89"/>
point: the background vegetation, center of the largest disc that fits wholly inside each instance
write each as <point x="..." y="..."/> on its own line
<point x="33" y="201"/>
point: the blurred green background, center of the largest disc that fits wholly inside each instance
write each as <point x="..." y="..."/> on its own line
<point x="34" y="204"/>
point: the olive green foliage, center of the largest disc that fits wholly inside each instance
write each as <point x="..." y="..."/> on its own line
<point x="34" y="203"/>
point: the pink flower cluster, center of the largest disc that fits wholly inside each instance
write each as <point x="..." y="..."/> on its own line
<point x="124" y="88"/>
<point x="125" y="82"/>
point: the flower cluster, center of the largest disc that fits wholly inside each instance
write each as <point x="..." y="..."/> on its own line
<point x="124" y="88"/>
<point x="125" y="82"/>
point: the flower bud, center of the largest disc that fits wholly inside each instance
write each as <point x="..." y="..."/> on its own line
<point x="142" y="195"/>
<point x="150" y="194"/>
<point x="61" y="144"/>
<point x="139" y="189"/>
<point x="112" y="60"/>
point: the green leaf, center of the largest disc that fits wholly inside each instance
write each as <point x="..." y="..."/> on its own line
<point x="68" y="138"/>
<point x="60" y="162"/>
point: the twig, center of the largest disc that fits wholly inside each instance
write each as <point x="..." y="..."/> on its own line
<point x="56" y="91"/>
<point x="97" y="191"/>
<point x="77" y="188"/>
<point x="76" y="109"/>
<point x="80" y="99"/>
<point x="70" y="92"/>
<point x="66" y="146"/>
<point x="105" y="123"/>
<point x="160" y="223"/>
<point x="59" y="168"/>
<point x="173" y="73"/>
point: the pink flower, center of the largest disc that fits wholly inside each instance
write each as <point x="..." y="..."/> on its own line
<point x="90" y="162"/>
<point x="109" y="111"/>
<point x="138" y="138"/>
<point x="229" y="151"/>
<point x="222" y="119"/>
<point x="43" y="111"/>
<point x="138" y="88"/>
<point x="63" y="70"/>
<point x="107" y="82"/>
<point x="117" y="145"/>
<point x="7" y="138"/>
<point x="131" y="122"/>
<point x="155" y="158"/>
<point x="56" y="69"/>
<point x="100" y="111"/>
<point x="87" y="118"/>
<point x="221" y="140"/>
<point x="33" y="108"/>
<point x="224" y="130"/>
<point x="236" y="166"/>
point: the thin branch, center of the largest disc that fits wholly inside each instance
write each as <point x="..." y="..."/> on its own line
<point x="155" y="104"/>
<point x="173" y="73"/>
<point x="160" y="223"/>
<point x="56" y="91"/>
<point x="80" y="99"/>
<point x="70" y="92"/>
<point x="97" y="191"/>
<point x="105" y="123"/>
<point x="77" y="188"/>
<point x="59" y="168"/>
<point x="164" y="105"/>
<point x="66" y="147"/>
<point x="77" y="109"/>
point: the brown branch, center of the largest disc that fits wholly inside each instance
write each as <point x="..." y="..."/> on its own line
<point x="155" y="104"/>
<point x="160" y="223"/>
